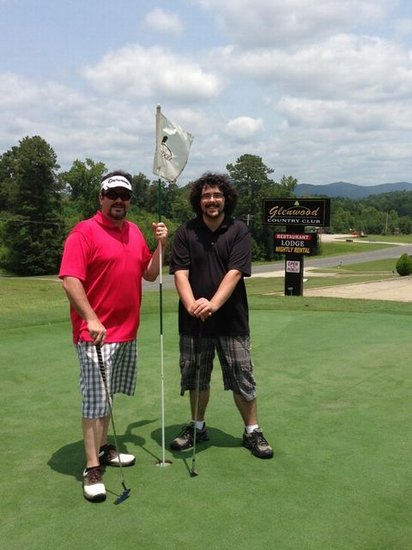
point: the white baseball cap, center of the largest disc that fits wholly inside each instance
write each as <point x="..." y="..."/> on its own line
<point x="115" y="181"/>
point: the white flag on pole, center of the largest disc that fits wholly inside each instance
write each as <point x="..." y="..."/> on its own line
<point x="172" y="148"/>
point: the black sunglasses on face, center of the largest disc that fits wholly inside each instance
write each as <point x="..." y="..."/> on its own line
<point x="113" y="195"/>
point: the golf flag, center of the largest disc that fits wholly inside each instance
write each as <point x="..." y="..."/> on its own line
<point x="172" y="148"/>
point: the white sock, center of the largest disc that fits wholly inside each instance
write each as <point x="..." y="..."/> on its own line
<point x="200" y="424"/>
<point x="251" y="428"/>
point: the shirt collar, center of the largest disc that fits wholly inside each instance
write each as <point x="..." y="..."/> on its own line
<point x="106" y="222"/>
<point x="225" y="223"/>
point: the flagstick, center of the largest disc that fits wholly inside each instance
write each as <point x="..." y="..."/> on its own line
<point x="182" y="144"/>
<point x="163" y="462"/>
<point x="158" y="143"/>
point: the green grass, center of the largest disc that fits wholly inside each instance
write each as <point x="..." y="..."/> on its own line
<point x="337" y="248"/>
<point x="270" y="285"/>
<point x="383" y="266"/>
<point x="340" y="274"/>
<point x="334" y="391"/>
<point x="391" y="238"/>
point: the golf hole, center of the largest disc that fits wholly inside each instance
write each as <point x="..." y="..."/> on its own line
<point x="163" y="464"/>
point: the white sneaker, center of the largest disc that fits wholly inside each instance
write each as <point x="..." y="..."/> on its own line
<point x="108" y="456"/>
<point x="93" y="486"/>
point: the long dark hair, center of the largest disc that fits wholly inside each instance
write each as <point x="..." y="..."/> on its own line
<point x="225" y="185"/>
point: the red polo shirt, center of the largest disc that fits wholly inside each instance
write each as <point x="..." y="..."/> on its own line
<point x="110" y="262"/>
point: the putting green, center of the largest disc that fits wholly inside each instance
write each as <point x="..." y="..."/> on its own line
<point x="334" y="397"/>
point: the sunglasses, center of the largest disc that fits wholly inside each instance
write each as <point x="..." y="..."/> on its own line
<point x="113" y="195"/>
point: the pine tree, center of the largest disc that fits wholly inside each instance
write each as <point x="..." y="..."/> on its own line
<point x="33" y="231"/>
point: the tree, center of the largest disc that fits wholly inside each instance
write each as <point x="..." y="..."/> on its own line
<point x="342" y="220"/>
<point x="251" y="177"/>
<point x="181" y="209"/>
<point x="168" y="198"/>
<point x="82" y="183"/>
<point x="140" y="190"/>
<point x="169" y="193"/>
<point x="404" y="265"/>
<point x="286" y="187"/>
<point x="387" y="213"/>
<point x="152" y="203"/>
<point x="405" y="225"/>
<point x="33" y="233"/>
<point x="8" y="188"/>
<point x="372" y="221"/>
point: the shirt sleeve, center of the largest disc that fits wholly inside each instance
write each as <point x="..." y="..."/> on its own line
<point x="180" y="258"/>
<point x="75" y="257"/>
<point x="241" y="255"/>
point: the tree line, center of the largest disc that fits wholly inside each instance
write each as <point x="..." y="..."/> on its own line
<point x="384" y="214"/>
<point x="39" y="204"/>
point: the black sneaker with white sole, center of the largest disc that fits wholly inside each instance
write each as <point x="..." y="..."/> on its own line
<point x="93" y="486"/>
<point x="257" y="443"/>
<point x="185" y="439"/>
<point x="108" y="456"/>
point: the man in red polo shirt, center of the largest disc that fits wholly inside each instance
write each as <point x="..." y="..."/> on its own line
<point x="104" y="261"/>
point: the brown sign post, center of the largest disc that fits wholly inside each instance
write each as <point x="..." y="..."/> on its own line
<point x="295" y="214"/>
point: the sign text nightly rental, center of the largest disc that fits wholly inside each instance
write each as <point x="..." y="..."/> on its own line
<point x="286" y="243"/>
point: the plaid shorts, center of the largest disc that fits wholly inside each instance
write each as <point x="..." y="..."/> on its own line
<point x="234" y="357"/>
<point x="120" y="366"/>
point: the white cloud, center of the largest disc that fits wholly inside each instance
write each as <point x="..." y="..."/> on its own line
<point x="76" y="125"/>
<point x="137" y="72"/>
<point x="403" y="27"/>
<point x="163" y="21"/>
<point x="341" y="114"/>
<point x="321" y="90"/>
<point x="361" y="68"/>
<point x="244" y="128"/>
<point x="288" y="24"/>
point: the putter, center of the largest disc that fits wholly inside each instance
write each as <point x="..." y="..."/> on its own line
<point x="193" y="471"/>
<point x="126" y="491"/>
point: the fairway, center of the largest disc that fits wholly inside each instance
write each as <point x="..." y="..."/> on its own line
<point x="334" y="395"/>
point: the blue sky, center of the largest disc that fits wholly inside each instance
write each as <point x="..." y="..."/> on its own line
<point x="321" y="90"/>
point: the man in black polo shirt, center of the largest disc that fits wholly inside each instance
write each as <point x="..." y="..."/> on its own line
<point x="211" y="256"/>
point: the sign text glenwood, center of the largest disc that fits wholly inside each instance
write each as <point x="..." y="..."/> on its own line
<point x="313" y="212"/>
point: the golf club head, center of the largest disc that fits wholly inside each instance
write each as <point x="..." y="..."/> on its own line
<point x="193" y="472"/>
<point x="123" y="496"/>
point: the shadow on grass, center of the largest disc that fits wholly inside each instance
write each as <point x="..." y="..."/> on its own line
<point x="217" y="438"/>
<point x="69" y="459"/>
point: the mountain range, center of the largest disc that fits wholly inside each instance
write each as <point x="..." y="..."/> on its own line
<point x="349" y="190"/>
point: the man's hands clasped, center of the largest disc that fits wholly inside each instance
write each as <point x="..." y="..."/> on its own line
<point x="202" y="309"/>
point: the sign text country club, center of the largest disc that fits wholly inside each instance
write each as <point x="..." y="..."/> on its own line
<point x="291" y="243"/>
<point x="314" y="212"/>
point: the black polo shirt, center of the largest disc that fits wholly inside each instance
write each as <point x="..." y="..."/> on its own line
<point x="209" y="255"/>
